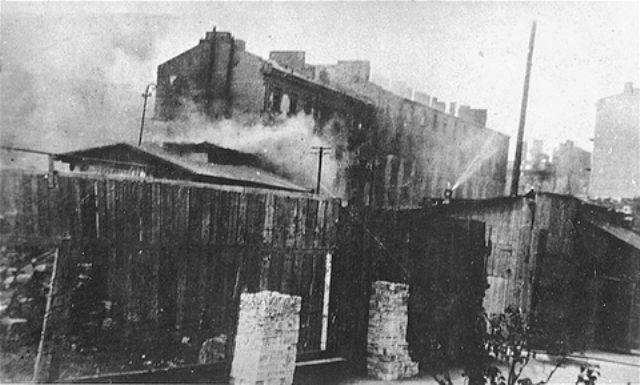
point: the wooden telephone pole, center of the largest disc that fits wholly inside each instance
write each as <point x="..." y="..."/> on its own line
<point x="145" y="95"/>
<point x="322" y="150"/>
<point x="515" y="179"/>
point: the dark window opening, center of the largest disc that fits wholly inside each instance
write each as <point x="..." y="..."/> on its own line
<point x="308" y="108"/>
<point x="277" y="100"/>
<point x="293" y="104"/>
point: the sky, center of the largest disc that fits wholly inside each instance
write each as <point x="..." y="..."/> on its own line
<point x="72" y="73"/>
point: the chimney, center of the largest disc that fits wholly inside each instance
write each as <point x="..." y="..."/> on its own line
<point x="452" y="108"/>
<point x="628" y="88"/>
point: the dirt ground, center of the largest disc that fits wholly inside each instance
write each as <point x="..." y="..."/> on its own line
<point x="614" y="369"/>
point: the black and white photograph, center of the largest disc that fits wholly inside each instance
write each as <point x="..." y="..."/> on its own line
<point x="320" y="192"/>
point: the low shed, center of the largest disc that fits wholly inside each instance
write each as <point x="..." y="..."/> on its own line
<point x="198" y="162"/>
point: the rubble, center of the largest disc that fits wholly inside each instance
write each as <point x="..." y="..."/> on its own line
<point x="213" y="350"/>
<point x="266" y="340"/>
<point x="387" y="349"/>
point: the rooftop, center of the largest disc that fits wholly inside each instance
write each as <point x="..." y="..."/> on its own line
<point x="226" y="166"/>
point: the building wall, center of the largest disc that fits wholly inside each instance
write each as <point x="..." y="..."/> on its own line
<point x="567" y="172"/>
<point x="421" y="149"/>
<point x="616" y="155"/>
<point x="213" y="78"/>
<point x="571" y="166"/>
<point x="392" y="151"/>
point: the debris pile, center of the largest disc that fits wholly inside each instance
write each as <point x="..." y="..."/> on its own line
<point x="265" y="348"/>
<point x="213" y="350"/>
<point x="387" y="349"/>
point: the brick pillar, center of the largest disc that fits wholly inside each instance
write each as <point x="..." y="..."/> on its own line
<point x="265" y="349"/>
<point x="387" y="349"/>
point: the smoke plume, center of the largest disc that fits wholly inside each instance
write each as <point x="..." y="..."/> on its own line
<point x="73" y="81"/>
<point x="288" y="144"/>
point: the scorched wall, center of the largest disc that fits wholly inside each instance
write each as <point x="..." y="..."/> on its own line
<point x="393" y="152"/>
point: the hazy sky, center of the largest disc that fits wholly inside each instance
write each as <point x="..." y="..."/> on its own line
<point x="72" y="73"/>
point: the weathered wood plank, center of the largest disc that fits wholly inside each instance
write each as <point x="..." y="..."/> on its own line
<point x="215" y="212"/>
<point x="56" y="317"/>
<point x="241" y="234"/>
<point x="316" y="298"/>
<point x="30" y="204"/>
<point x="318" y="232"/>
<point x="232" y="228"/>
<point x="182" y="261"/>
<point x="42" y="198"/>
<point x="269" y="219"/>
<point x="279" y="222"/>
<point x="290" y="222"/>
<point x="305" y="315"/>
<point x="301" y="222"/>
<point x="310" y="222"/>
<point x="205" y="219"/>
<point x="255" y="219"/>
<point x="194" y="232"/>
<point x="286" y="285"/>
<point x="223" y="219"/>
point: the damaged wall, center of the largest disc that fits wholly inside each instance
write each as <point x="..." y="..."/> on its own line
<point x="421" y="148"/>
<point x="393" y="152"/>
<point x="201" y="80"/>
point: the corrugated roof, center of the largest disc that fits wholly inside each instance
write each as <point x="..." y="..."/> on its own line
<point x="242" y="173"/>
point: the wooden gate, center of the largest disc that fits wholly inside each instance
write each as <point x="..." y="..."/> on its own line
<point x="441" y="258"/>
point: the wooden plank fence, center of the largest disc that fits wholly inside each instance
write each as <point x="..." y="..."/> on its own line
<point x="442" y="259"/>
<point x="169" y="259"/>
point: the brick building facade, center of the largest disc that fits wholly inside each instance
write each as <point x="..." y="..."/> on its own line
<point x="394" y="151"/>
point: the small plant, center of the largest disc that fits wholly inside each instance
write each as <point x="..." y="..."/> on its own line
<point x="589" y="374"/>
<point x="508" y="338"/>
<point x="506" y="341"/>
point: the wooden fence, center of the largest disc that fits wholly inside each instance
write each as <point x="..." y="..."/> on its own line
<point x="160" y="265"/>
<point x="442" y="259"/>
<point x="509" y="231"/>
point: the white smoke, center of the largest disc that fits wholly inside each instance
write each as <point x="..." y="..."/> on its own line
<point x="73" y="81"/>
<point x="288" y="144"/>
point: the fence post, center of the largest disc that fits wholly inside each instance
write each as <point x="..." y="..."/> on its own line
<point x="232" y="320"/>
<point x="54" y="324"/>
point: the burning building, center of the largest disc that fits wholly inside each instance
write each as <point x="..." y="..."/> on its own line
<point x="393" y="151"/>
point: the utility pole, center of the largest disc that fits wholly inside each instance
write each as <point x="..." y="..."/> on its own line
<point x="515" y="179"/>
<point x="145" y="95"/>
<point x="322" y="150"/>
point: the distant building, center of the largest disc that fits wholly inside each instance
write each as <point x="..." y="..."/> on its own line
<point x="392" y="151"/>
<point x="536" y="171"/>
<point x="615" y="166"/>
<point x="566" y="172"/>
<point x="197" y="162"/>
<point x="572" y="167"/>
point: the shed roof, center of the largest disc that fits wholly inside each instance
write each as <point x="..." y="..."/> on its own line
<point x="237" y="174"/>
<point x="625" y="235"/>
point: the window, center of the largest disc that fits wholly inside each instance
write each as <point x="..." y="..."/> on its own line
<point x="277" y="100"/>
<point x="293" y="104"/>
